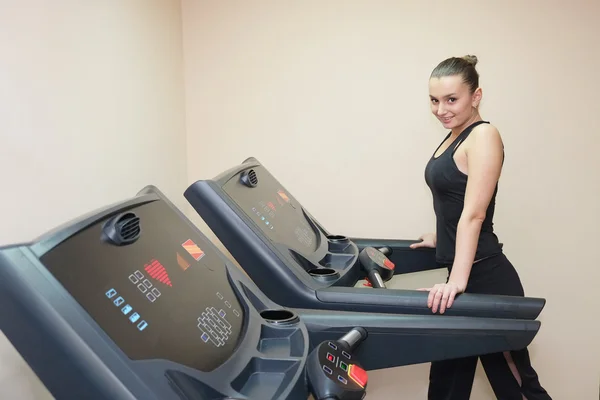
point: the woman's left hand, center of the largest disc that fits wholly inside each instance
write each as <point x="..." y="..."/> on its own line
<point x="442" y="295"/>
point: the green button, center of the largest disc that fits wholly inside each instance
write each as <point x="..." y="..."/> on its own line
<point x="344" y="366"/>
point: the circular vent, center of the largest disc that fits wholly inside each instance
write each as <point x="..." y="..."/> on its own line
<point x="249" y="178"/>
<point x="122" y="229"/>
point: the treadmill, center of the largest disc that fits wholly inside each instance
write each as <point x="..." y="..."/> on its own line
<point x="132" y="301"/>
<point x="297" y="262"/>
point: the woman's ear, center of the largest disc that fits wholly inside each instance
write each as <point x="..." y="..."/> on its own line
<point x="477" y="95"/>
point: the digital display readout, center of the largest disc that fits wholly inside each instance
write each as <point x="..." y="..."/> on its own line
<point x="166" y="296"/>
<point x="274" y="211"/>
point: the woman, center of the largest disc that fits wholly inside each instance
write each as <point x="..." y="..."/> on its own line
<point x="465" y="241"/>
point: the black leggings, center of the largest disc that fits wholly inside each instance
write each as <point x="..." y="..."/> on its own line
<point x="453" y="379"/>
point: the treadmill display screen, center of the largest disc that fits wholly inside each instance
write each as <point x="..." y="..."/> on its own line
<point x="166" y="296"/>
<point x="275" y="211"/>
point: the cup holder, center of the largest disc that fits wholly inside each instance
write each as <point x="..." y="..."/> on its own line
<point x="337" y="238"/>
<point x="280" y="317"/>
<point x="337" y="243"/>
<point x="324" y="274"/>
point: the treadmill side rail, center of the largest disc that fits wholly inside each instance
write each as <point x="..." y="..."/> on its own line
<point x="412" y="339"/>
<point x="415" y="302"/>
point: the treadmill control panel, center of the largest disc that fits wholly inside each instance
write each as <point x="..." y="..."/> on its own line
<point x="164" y="296"/>
<point x="274" y="211"/>
<point x="333" y="371"/>
<point x="338" y="365"/>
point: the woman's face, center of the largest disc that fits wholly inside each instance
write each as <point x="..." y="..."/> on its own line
<point x="451" y="101"/>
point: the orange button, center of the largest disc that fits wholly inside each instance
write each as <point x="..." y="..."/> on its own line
<point x="389" y="264"/>
<point x="358" y="375"/>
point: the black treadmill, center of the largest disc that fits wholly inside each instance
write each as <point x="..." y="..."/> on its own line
<point x="298" y="263"/>
<point x="134" y="302"/>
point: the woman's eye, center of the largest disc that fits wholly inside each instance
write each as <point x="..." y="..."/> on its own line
<point x="452" y="99"/>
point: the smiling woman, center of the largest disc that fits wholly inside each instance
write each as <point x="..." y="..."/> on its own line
<point x="463" y="176"/>
<point x="455" y="93"/>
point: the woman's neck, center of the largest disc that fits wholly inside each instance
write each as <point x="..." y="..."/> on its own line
<point x="459" y="129"/>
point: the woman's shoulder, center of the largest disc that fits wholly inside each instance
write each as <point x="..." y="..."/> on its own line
<point x="485" y="135"/>
<point x="485" y="128"/>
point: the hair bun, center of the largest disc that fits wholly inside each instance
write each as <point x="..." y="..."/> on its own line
<point x="471" y="59"/>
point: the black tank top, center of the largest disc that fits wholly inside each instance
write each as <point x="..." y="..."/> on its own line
<point x="448" y="186"/>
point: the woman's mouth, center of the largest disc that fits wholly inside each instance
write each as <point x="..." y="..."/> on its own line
<point x="446" y="120"/>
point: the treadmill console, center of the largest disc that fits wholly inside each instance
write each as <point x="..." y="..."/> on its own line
<point x="133" y="302"/>
<point x="273" y="210"/>
<point x="163" y="296"/>
<point x="274" y="215"/>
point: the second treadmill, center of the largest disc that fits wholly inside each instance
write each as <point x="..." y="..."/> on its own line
<point x="299" y="263"/>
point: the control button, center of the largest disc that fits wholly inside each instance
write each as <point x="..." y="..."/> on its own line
<point x="333" y="346"/>
<point x="142" y="325"/>
<point x="219" y="295"/>
<point x="142" y="288"/>
<point x="330" y="357"/>
<point x="134" y="317"/>
<point x="133" y="279"/>
<point x="111" y="293"/>
<point x="358" y="375"/>
<point x="222" y="313"/>
<point x="139" y="275"/>
<point x="228" y="304"/>
<point x="342" y="379"/>
<point x="125" y="310"/>
<point x="348" y="356"/>
<point x="118" y="301"/>
<point x="388" y="264"/>
<point x="237" y="314"/>
<point x="147" y="283"/>
<point x="327" y="369"/>
<point x="344" y="366"/>
<point x="205" y="337"/>
<point x="156" y="292"/>
<point x="151" y="297"/>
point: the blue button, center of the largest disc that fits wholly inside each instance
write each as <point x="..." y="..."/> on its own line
<point x="205" y="337"/>
<point x="111" y="293"/>
<point x="134" y="317"/>
<point x="222" y="313"/>
<point x="125" y="310"/>
<point x="142" y="325"/>
<point x="118" y="301"/>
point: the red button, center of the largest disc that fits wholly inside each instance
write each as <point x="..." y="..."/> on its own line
<point x="358" y="375"/>
<point x="330" y="357"/>
<point x="389" y="264"/>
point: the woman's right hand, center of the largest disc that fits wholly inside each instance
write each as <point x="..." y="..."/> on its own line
<point x="427" y="240"/>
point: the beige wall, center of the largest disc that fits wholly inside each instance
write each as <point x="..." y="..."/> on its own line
<point x="91" y="110"/>
<point x="93" y="107"/>
<point x="332" y="97"/>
